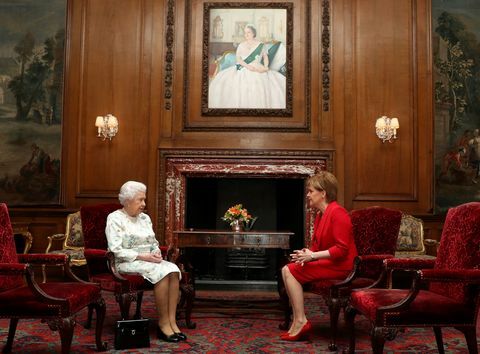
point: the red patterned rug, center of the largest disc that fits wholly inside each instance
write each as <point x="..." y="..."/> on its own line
<point x="230" y="322"/>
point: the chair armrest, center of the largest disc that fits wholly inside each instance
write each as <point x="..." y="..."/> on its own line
<point x="43" y="258"/>
<point x="362" y="262"/>
<point x="408" y="263"/>
<point x="54" y="238"/>
<point x="94" y="253"/>
<point x="446" y="275"/>
<point x="13" y="268"/>
<point x="111" y="266"/>
<point x="27" y="272"/>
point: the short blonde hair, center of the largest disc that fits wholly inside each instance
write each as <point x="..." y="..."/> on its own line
<point x="129" y="190"/>
<point x="324" y="181"/>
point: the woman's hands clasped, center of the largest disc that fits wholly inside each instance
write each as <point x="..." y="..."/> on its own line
<point x="301" y="256"/>
<point x="154" y="257"/>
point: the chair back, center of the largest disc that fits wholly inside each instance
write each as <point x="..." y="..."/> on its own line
<point x="375" y="230"/>
<point x="94" y="221"/>
<point x="73" y="233"/>
<point x="410" y="237"/>
<point x="459" y="248"/>
<point x="8" y="253"/>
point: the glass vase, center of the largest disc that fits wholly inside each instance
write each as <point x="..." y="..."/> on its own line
<point x="237" y="225"/>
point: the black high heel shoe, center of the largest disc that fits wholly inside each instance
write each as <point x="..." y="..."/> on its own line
<point x="181" y="335"/>
<point x="173" y="338"/>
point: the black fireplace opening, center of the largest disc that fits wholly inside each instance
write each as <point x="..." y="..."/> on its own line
<point x="278" y="204"/>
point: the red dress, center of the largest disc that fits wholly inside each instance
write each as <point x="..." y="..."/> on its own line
<point x="332" y="231"/>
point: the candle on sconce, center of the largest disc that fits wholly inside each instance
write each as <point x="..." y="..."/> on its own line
<point x="99" y="123"/>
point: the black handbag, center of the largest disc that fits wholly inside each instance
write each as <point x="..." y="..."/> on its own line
<point x="132" y="334"/>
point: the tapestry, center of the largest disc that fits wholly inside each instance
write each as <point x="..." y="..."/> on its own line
<point x="456" y="54"/>
<point x="32" y="43"/>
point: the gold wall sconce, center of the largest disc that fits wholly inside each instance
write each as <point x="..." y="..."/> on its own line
<point x="386" y="128"/>
<point x="107" y="126"/>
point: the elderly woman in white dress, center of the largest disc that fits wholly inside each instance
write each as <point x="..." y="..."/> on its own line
<point x="132" y="240"/>
<point x="252" y="82"/>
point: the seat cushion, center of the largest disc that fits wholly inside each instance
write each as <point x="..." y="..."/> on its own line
<point x="107" y="282"/>
<point x="428" y="308"/>
<point x="322" y="287"/>
<point x="23" y="303"/>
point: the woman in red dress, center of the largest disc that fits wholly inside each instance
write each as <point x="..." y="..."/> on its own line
<point x="330" y="255"/>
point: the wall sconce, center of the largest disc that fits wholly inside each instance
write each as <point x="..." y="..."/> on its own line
<point x="107" y="126"/>
<point x="386" y="128"/>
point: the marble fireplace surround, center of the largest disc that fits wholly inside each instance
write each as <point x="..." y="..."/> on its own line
<point x="176" y="165"/>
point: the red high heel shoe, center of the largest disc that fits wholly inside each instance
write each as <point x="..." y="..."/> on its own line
<point x="303" y="334"/>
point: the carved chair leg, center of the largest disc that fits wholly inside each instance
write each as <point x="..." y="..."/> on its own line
<point x="471" y="338"/>
<point x="439" y="339"/>
<point x="89" y="317"/>
<point x="124" y="301"/>
<point x="65" y="328"/>
<point x="11" y="334"/>
<point x="188" y="294"/>
<point x="138" y="309"/>
<point x="378" y="340"/>
<point x="334" y="309"/>
<point x="100" y="310"/>
<point x="350" y="314"/>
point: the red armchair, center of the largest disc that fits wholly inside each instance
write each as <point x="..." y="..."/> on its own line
<point x="375" y="230"/>
<point x="101" y="266"/>
<point x="445" y="292"/>
<point x="55" y="303"/>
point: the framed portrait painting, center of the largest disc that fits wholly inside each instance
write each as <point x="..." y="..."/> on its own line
<point x="246" y="57"/>
<point x="242" y="70"/>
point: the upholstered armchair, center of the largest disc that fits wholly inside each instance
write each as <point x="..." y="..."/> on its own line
<point x="444" y="293"/>
<point x="57" y="303"/>
<point x="72" y="242"/>
<point x="375" y="230"/>
<point x="127" y="288"/>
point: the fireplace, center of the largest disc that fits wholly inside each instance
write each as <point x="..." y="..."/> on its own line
<point x="192" y="174"/>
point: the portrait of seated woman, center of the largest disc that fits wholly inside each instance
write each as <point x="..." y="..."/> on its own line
<point x="252" y="78"/>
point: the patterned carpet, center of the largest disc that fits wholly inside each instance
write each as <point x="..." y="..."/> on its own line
<point x="229" y="322"/>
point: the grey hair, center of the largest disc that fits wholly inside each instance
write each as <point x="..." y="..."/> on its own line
<point x="129" y="190"/>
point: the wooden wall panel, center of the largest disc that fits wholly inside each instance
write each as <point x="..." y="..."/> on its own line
<point x="112" y="81"/>
<point x="387" y="40"/>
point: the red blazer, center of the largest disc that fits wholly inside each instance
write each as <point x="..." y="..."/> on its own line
<point x="333" y="232"/>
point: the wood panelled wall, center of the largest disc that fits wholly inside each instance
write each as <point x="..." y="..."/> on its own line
<point x="380" y="64"/>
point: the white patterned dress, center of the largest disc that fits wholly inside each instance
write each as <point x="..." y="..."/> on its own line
<point x="239" y="87"/>
<point x="129" y="236"/>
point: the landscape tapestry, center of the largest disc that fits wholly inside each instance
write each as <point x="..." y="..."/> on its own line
<point x="32" y="42"/>
<point x="456" y="55"/>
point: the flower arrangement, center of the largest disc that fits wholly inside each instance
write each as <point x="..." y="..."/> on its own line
<point x="238" y="214"/>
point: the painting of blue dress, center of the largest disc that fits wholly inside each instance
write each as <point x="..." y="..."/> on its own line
<point x="456" y="55"/>
<point x="32" y="42"/>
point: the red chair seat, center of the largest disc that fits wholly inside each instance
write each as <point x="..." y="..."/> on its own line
<point x="23" y="302"/>
<point x="427" y="308"/>
<point x="322" y="287"/>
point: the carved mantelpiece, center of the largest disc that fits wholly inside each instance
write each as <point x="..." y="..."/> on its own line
<point x="176" y="165"/>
